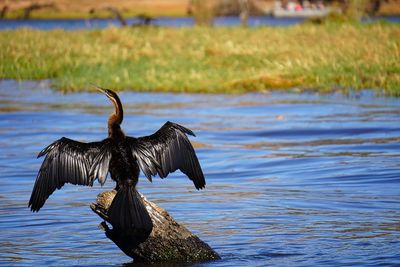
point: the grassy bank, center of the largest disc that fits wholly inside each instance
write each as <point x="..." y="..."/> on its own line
<point x="208" y="59"/>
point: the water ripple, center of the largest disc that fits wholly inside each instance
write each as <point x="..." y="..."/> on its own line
<point x="291" y="179"/>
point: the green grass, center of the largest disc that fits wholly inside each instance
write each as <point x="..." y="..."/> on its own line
<point x="212" y="60"/>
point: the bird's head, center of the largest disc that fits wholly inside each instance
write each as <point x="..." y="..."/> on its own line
<point x="109" y="93"/>
<point x="117" y="116"/>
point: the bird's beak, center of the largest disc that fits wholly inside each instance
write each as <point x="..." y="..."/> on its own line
<point x="102" y="90"/>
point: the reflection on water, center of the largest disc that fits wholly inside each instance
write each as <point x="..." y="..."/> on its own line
<point x="292" y="179"/>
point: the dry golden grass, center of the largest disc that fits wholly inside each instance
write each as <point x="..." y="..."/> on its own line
<point x="391" y="7"/>
<point x="81" y="8"/>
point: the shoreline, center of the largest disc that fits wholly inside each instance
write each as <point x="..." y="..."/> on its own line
<point x="133" y="15"/>
<point x="46" y="84"/>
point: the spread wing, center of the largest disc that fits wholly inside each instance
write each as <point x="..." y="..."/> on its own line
<point x="167" y="150"/>
<point x="69" y="161"/>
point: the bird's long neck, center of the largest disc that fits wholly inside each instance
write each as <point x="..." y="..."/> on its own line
<point x="115" y="120"/>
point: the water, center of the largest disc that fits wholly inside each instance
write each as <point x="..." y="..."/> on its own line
<point x="292" y="179"/>
<point x="75" y="24"/>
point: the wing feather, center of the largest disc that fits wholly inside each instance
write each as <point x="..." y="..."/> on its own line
<point x="166" y="151"/>
<point x="69" y="161"/>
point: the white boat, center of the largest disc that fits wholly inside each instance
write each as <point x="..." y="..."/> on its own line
<point x="303" y="13"/>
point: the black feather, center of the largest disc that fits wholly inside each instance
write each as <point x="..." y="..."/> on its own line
<point x="166" y="151"/>
<point x="127" y="211"/>
<point x="69" y="161"/>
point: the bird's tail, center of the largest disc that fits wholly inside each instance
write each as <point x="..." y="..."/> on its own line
<point x="128" y="213"/>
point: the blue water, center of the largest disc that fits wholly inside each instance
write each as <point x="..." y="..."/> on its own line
<point x="292" y="179"/>
<point x="75" y="24"/>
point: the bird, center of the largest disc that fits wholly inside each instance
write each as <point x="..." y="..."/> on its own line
<point x="123" y="157"/>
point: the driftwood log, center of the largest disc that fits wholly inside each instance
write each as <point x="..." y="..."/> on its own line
<point x="3" y="12"/>
<point x="28" y="10"/>
<point x="144" y="20"/>
<point x="168" y="241"/>
<point x="114" y="11"/>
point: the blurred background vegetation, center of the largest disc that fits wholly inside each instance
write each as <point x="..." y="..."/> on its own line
<point x="154" y="8"/>
<point x="328" y="53"/>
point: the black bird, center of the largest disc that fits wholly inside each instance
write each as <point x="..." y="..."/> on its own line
<point x="69" y="161"/>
